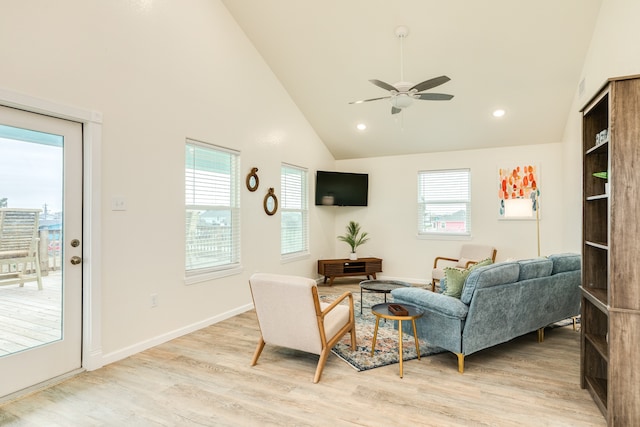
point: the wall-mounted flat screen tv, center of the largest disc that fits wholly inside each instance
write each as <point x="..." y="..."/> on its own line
<point x="341" y="189"/>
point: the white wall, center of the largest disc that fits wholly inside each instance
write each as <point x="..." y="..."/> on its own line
<point x="614" y="51"/>
<point x="159" y="72"/>
<point x="391" y="217"/>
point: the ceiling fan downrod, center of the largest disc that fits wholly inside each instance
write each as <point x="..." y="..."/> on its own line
<point x="401" y="33"/>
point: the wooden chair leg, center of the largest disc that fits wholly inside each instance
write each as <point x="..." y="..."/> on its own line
<point x="353" y="338"/>
<point x="433" y="285"/>
<point x="258" y="351"/>
<point x="321" y="362"/>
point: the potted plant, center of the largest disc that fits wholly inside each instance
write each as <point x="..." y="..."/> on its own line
<point x="354" y="238"/>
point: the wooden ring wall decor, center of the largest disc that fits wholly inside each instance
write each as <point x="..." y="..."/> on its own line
<point x="270" y="202"/>
<point x="252" y="180"/>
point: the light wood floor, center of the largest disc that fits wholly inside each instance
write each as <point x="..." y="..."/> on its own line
<point x="204" y="379"/>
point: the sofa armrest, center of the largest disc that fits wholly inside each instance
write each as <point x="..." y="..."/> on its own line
<point x="431" y="301"/>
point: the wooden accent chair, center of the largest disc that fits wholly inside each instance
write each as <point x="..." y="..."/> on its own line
<point x="291" y="315"/>
<point x="19" y="246"/>
<point x="469" y="255"/>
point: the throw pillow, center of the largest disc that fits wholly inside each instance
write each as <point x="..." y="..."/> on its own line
<point x="487" y="261"/>
<point x="455" y="278"/>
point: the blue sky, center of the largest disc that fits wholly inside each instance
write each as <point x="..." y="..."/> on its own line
<point x="31" y="174"/>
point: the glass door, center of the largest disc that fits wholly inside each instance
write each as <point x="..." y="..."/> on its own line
<point x="40" y="248"/>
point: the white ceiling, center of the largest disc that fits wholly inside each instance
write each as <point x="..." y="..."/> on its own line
<point x="522" y="56"/>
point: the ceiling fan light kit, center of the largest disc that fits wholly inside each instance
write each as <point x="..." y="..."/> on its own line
<point x="401" y="100"/>
<point x="402" y="94"/>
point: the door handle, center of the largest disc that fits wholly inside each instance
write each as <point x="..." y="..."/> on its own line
<point x="75" y="260"/>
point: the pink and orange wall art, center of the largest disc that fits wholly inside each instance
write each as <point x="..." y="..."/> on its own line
<point x="520" y="182"/>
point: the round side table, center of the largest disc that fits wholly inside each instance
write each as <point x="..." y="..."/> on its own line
<point x="381" y="311"/>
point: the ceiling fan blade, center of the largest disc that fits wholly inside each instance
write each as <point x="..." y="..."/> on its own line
<point x="395" y="110"/>
<point x="367" y="100"/>
<point x="383" y="85"/>
<point x="434" y="96"/>
<point x="431" y="83"/>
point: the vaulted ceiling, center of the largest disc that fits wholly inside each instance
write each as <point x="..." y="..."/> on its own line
<point x="523" y="57"/>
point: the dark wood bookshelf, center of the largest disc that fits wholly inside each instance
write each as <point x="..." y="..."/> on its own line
<point x="610" y="332"/>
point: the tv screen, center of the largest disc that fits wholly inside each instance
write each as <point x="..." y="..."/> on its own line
<point x="341" y="189"/>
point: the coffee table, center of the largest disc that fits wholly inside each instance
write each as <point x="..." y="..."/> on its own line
<point x="380" y="287"/>
<point x="381" y="311"/>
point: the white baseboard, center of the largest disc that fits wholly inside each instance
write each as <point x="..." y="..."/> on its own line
<point x="160" y="339"/>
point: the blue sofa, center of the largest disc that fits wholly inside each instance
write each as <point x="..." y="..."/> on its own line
<point x="498" y="303"/>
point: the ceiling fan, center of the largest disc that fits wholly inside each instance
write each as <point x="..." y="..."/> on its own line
<point x="403" y="93"/>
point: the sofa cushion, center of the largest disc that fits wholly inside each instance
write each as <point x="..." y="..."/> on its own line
<point x="490" y="275"/>
<point x="565" y="262"/>
<point x="454" y="278"/>
<point x="534" y="268"/>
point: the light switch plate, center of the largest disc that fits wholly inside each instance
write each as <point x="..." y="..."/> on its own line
<point x="118" y="203"/>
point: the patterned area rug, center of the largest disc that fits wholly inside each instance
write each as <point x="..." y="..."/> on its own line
<point x="386" y="351"/>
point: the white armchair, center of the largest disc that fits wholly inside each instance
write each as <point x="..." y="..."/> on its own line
<point x="469" y="255"/>
<point x="291" y="315"/>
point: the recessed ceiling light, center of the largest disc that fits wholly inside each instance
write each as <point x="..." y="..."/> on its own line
<point x="498" y="113"/>
<point x="361" y="126"/>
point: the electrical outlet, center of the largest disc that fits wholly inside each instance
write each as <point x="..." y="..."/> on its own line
<point x="154" y="300"/>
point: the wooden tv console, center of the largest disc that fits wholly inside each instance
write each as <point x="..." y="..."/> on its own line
<point x="332" y="268"/>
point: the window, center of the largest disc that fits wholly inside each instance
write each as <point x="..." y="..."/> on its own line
<point x="294" y="211"/>
<point x="212" y="216"/>
<point x="444" y="202"/>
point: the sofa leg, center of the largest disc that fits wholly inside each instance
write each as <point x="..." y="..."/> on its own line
<point x="460" y="362"/>
<point x="540" y="334"/>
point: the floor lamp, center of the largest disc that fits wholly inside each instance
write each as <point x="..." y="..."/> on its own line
<point x="524" y="209"/>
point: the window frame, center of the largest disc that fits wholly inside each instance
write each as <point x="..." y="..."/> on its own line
<point x="288" y="204"/>
<point x="421" y="210"/>
<point x="200" y="274"/>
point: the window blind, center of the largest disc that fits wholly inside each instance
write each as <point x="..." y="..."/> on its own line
<point x="294" y="228"/>
<point x="444" y="202"/>
<point x="212" y="202"/>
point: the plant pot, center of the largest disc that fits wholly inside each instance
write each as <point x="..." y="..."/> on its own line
<point x="353" y="256"/>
